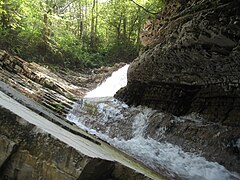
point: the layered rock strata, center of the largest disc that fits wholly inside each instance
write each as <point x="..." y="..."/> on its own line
<point x="58" y="90"/>
<point x="190" y="62"/>
<point x="27" y="152"/>
<point x="193" y="133"/>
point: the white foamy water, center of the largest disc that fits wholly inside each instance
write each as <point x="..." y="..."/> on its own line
<point x="111" y="85"/>
<point x="157" y="155"/>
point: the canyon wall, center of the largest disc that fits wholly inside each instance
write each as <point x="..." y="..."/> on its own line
<point x="190" y="62"/>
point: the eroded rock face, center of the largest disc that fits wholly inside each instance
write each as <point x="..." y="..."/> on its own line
<point x="192" y="63"/>
<point x="57" y="91"/>
<point x="193" y="133"/>
<point x="6" y="149"/>
<point x="27" y="152"/>
<point x="36" y="155"/>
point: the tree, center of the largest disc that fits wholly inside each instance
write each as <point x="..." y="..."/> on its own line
<point x="82" y="33"/>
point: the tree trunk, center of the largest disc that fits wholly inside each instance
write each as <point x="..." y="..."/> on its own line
<point x="84" y="26"/>
<point x="45" y="29"/>
<point x="92" y="34"/>
<point x="46" y="34"/>
<point x="124" y="29"/>
<point x="139" y="29"/>
<point x="96" y="24"/>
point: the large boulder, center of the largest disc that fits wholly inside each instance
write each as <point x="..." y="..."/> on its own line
<point x="190" y="62"/>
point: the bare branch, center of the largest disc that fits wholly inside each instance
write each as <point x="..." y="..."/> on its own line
<point x="65" y="8"/>
<point x="154" y="13"/>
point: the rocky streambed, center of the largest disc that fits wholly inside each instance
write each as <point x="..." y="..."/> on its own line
<point x="186" y="147"/>
<point x="188" y="73"/>
<point x="36" y="139"/>
<point x="189" y="69"/>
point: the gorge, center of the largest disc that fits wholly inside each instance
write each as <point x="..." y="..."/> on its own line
<point x="132" y="129"/>
<point x="176" y="115"/>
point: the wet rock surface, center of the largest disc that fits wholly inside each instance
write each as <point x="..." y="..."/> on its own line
<point x="193" y="133"/>
<point x="215" y="142"/>
<point x="89" y="78"/>
<point x="58" y="90"/>
<point x="191" y="62"/>
<point x="27" y="152"/>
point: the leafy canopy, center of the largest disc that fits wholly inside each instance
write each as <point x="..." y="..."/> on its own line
<point x="74" y="33"/>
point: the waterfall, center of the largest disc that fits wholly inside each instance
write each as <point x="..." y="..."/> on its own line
<point x="126" y="128"/>
<point x="111" y="85"/>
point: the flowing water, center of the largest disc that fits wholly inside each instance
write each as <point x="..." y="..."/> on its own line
<point x="111" y="85"/>
<point x="127" y="129"/>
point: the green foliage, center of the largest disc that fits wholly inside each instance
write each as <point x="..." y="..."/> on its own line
<point x="87" y="33"/>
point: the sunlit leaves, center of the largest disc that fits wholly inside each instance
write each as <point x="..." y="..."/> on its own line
<point x="117" y="23"/>
<point x="2" y="11"/>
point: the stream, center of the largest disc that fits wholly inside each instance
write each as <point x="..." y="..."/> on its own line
<point x="126" y="128"/>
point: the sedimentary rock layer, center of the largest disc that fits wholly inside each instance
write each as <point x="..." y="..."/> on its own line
<point x="191" y="61"/>
<point x="27" y="152"/>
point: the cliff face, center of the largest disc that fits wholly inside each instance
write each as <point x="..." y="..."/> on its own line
<point x="190" y="62"/>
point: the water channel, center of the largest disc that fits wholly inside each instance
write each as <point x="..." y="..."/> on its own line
<point x="125" y="127"/>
